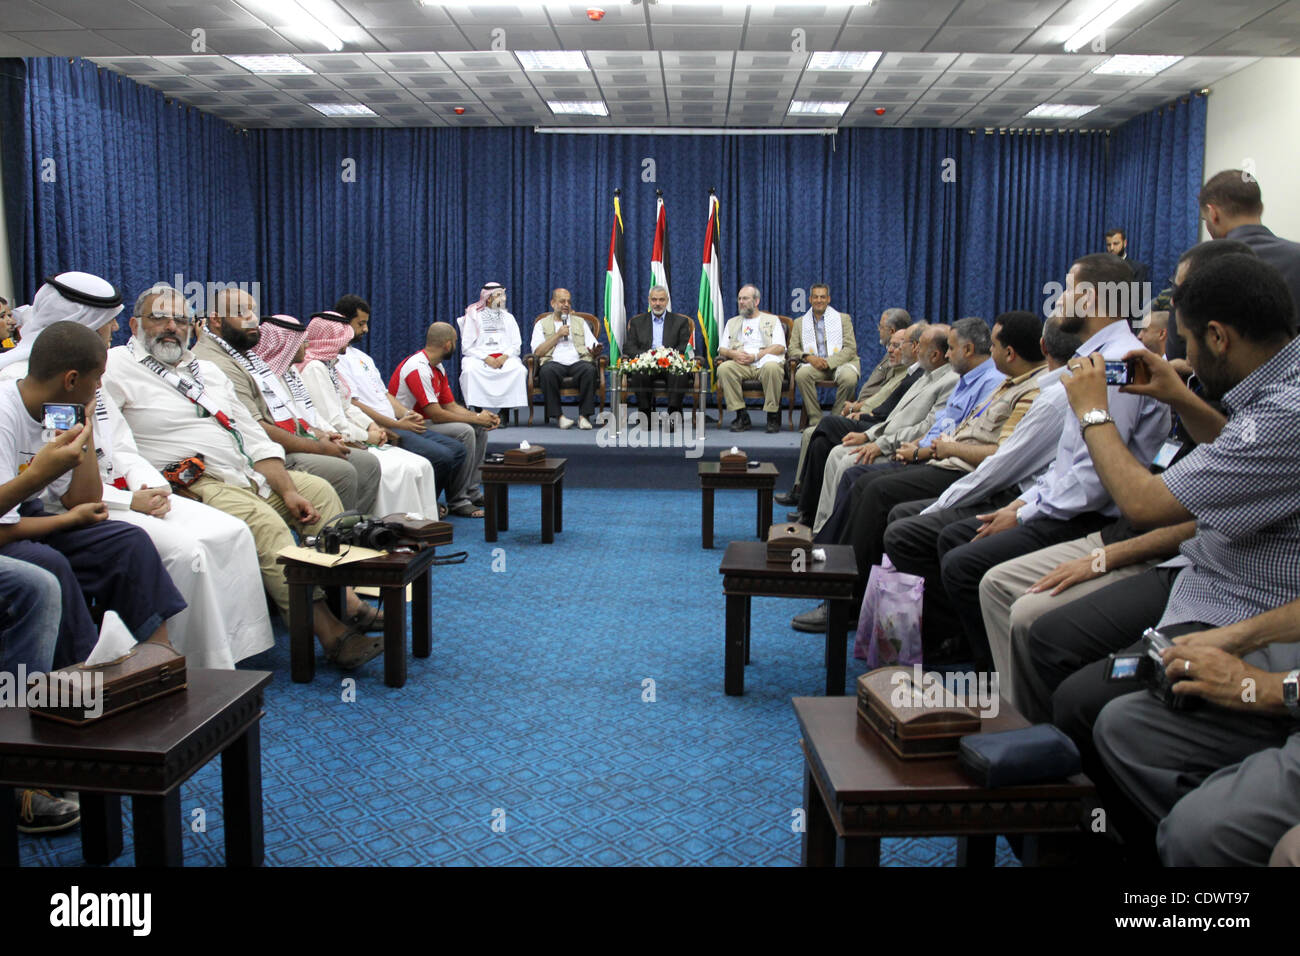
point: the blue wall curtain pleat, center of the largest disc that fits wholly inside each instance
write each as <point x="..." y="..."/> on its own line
<point x="145" y="190"/>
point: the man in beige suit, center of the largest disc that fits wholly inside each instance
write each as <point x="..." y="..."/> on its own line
<point x="910" y="420"/>
<point x="823" y="339"/>
<point x="753" y="346"/>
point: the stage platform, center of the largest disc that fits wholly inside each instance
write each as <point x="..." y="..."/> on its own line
<point x="650" y="458"/>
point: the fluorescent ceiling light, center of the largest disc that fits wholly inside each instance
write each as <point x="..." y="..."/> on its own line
<point x="1099" y="24"/>
<point x="1058" y="111"/>
<point x="270" y="63"/>
<point x="571" y="60"/>
<point x="578" y="107"/>
<point x="761" y="4"/>
<point x="343" y="109"/>
<point x="819" y="107"/>
<point x="844" y="61"/>
<point x="1129" y="65"/>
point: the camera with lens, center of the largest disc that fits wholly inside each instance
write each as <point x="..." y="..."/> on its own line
<point x="1148" y="669"/>
<point x="355" y="530"/>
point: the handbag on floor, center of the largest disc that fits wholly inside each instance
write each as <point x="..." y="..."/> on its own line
<point x="889" y="625"/>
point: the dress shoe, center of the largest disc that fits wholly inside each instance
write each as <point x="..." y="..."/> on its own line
<point x="565" y="422"/>
<point x="583" y="423"/>
<point x="796" y="516"/>
<point x="811" y="622"/>
<point x="741" y="422"/>
<point x="773" y="423"/>
<point x="790" y="497"/>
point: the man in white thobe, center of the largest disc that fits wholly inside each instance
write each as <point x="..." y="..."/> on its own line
<point x="491" y="374"/>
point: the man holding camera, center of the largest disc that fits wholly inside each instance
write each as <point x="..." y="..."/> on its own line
<point x="1239" y="322"/>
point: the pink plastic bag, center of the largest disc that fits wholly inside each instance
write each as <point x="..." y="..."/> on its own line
<point x="889" y="626"/>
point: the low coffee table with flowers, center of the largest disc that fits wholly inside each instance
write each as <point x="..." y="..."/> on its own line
<point x="660" y="361"/>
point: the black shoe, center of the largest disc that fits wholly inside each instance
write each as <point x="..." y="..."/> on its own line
<point x="741" y="422"/>
<point x="773" y="423"/>
<point x="790" y="497"/>
<point x="811" y="622"/>
<point x="795" y="516"/>
<point x="39" y="812"/>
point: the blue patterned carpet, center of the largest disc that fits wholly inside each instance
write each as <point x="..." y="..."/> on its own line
<point x="530" y="710"/>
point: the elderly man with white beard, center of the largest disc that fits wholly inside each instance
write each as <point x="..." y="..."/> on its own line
<point x="491" y="374"/>
<point x="192" y="539"/>
<point x="189" y="423"/>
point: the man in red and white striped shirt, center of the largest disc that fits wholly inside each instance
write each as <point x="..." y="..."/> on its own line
<point x="420" y="383"/>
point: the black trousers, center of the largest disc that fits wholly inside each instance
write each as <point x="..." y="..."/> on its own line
<point x="643" y="387"/>
<point x="963" y="561"/>
<point x="912" y="543"/>
<point x="584" y="377"/>
<point x="874" y="497"/>
<point x="830" y="431"/>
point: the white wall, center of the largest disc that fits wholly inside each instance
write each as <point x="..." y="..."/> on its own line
<point x="1253" y="115"/>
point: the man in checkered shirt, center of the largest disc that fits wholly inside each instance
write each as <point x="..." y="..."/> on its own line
<point x="1239" y="485"/>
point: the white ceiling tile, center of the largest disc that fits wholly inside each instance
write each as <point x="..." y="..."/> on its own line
<point x="421" y="38"/>
<point x="394" y="13"/>
<point x="1002" y="13"/>
<point x="909" y="39"/>
<point x="209" y="14"/>
<point x="164" y="42"/>
<point x="977" y="39"/>
<point x="24" y="15"/>
<point x="903" y="13"/>
<point x="915" y="62"/>
<point x="71" y="43"/>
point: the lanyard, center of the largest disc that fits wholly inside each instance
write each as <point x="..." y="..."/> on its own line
<point x="194" y="392"/>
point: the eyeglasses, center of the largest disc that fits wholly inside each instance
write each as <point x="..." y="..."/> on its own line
<point x="182" y="321"/>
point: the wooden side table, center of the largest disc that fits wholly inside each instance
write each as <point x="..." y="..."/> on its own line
<point x="497" y="479"/>
<point x="746" y="573"/>
<point x="856" y="792"/>
<point x="391" y="573"/>
<point x="712" y="477"/>
<point x="146" y="753"/>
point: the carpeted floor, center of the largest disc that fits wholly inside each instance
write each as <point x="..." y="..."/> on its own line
<point x="530" y="714"/>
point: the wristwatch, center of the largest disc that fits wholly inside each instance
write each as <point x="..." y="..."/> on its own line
<point x="1291" y="692"/>
<point x="1095" y="416"/>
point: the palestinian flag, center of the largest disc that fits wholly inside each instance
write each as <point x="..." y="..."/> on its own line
<point x="659" y="257"/>
<point x="710" y="305"/>
<point x="615" y="307"/>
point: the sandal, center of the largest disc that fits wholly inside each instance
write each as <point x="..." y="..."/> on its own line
<point x="354" y="648"/>
<point x="467" y="511"/>
<point x="367" y="619"/>
<point x="442" y="511"/>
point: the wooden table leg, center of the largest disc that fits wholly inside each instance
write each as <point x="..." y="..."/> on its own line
<point x="706" y="516"/>
<point x="394" y="635"/>
<point x="749" y="607"/>
<point x="857" y="851"/>
<point x="548" y="514"/>
<point x="559" y="506"/>
<point x="837" y="637"/>
<point x="302" y="640"/>
<point x="734" y="661"/>
<point x="503" y="507"/>
<point x="421" y="618"/>
<point x="101" y="827"/>
<point x="817" y="844"/>
<point x="241" y="799"/>
<point x="979" y="850"/>
<point x="8" y="827"/>
<point x="764" y="512"/>
<point x="336" y="599"/>
<point x="490" y="501"/>
<point x="157" y="823"/>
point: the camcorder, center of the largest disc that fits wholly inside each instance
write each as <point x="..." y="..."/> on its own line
<point x="1147" y="668"/>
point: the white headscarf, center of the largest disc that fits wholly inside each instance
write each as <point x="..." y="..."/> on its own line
<point x="469" y="322"/>
<point x="51" y="305"/>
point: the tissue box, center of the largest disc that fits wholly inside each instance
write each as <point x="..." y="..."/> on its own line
<point x="149" y="671"/>
<point x="525" y="456"/>
<point x="736" y="461"/>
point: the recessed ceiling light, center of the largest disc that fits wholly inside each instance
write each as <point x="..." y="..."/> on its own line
<point x="819" y="107"/>
<point x="844" y="61"/>
<point x="578" y="107"/>
<point x="343" y="109"/>
<point x="571" y="60"/>
<point x="1058" y="111"/>
<point x="1100" y="23"/>
<point x="270" y="63"/>
<point x="1130" y="65"/>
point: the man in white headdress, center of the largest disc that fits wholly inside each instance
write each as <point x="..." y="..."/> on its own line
<point x="491" y="374"/>
<point x="209" y="555"/>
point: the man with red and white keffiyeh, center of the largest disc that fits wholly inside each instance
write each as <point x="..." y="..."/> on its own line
<point x="491" y="374"/>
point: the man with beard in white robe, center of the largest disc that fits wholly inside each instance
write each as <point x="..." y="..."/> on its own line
<point x="206" y="553"/>
<point x="491" y="374"/>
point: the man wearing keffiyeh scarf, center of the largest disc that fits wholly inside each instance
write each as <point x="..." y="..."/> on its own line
<point x="233" y="331"/>
<point x="491" y="376"/>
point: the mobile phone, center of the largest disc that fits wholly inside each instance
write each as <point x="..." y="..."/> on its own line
<point x="1126" y="372"/>
<point x="61" y="417"/>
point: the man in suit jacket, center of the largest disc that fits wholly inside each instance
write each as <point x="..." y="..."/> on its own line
<point x="653" y="329"/>
<point x="1117" y="244"/>
<point x="1232" y="206"/>
<point x="753" y="346"/>
<point x="823" y="339"/>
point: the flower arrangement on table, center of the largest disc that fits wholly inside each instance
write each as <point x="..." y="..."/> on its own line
<point x="660" y="361"/>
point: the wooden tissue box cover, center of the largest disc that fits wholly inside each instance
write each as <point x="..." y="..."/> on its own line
<point x="785" y="538"/>
<point x="147" y="672"/>
<point x="521" y="456"/>
<point x="912" y="731"/>
<point x="729" y="461"/>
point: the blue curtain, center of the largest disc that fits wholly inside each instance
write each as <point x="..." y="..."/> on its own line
<point x="1156" y="169"/>
<point x="417" y="220"/>
<point x="121" y="184"/>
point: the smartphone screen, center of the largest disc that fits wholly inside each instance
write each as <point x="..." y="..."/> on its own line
<point x="61" y="417"/>
<point x="1117" y="373"/>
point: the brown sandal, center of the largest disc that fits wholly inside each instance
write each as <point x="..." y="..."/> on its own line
<point x="355" y="648"/>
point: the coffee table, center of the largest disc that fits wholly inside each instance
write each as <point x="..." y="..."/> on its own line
<point x="856" y="792"/>
<point x="146" y="752"/>
<point x="746" y="573"/>
<point x="712" y="477"/>
<point x="391" y="573"/>
<point x="497" y="479"/>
